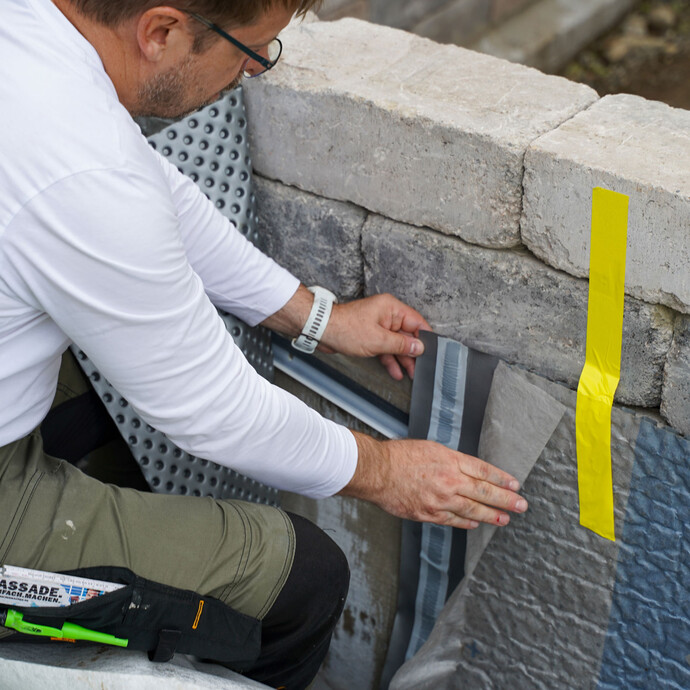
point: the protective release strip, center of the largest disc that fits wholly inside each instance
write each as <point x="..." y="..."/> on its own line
<point x="449" y="396"/>
<point x="601" y="372"/>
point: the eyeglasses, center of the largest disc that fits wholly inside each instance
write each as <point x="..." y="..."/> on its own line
<point x="274" y="48"/>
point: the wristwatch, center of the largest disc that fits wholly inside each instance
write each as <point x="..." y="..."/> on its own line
<point x="316" y="324"/>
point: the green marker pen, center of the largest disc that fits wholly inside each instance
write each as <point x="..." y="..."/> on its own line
<point x="69" y="631"/>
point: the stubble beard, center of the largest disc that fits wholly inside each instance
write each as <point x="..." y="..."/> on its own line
<point x="175" y="93"/>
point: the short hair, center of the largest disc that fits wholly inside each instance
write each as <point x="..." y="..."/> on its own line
<point x="231" y="13"/>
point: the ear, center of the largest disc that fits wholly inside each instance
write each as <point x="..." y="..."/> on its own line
<point x="164" y="32"/>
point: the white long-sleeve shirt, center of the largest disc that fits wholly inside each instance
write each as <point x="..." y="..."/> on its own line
<point x="103" y="243"/>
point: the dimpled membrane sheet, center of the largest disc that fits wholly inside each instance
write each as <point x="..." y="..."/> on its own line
<point x="210" y="147"/>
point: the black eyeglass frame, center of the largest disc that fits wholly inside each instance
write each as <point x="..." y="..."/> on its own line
<point x="266" y="64"/>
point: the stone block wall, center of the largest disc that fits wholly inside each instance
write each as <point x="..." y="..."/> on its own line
<point x="468" y="195"/>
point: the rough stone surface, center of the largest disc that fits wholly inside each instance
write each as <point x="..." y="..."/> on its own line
<point x="550" y="32"/>
<point x="317" y="239"/>
<point x="675" y="395"/>
<point x="424" y="133"/>
<point x="65" y="667"/>
<point x="507" y="303"/>
<point x="630" y="145"/>
<point x="456" y="23"/>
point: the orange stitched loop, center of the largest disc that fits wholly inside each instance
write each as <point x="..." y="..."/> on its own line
<point x="198" y="614"/>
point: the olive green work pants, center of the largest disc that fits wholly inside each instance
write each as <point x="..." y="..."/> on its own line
<point x="54" y="517"/>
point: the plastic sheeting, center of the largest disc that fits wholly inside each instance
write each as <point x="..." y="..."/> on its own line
<point x="519" y="419"/>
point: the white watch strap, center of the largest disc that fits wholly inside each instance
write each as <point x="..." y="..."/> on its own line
<point x="316" y="324"/>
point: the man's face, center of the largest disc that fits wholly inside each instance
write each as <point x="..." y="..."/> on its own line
<point x="202" y="78"/>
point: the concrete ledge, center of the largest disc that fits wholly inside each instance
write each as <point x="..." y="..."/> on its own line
<point x="507" y="303"/>
<point x="423" y="133"/>
<point x="631" y="145"/>
<point x="60" y="666"/>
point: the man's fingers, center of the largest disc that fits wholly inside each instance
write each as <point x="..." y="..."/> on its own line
<point x="453" y="520"/>
<point x="407" y="363"/>
<point x="395" y="365"/>
<point x="463" y="511"/>
<point x="489" y="494"/>
<point x="492" y="511"/>
<point x="392" y="367"/>
<point x="410" y="319"/>
<point x="474" y="467"/>
<point x="400" y="343"/>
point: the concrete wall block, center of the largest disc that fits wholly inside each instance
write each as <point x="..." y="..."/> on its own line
<point x="317" y="239"/>
<point x="509" y="304"/>
<point x="457" y="22"/>
<point x="424" y="133"/>
<point x="675" y="396"/>
<point x="631" y="145"/>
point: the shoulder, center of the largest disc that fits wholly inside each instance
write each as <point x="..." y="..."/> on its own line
<point x="60" y="117"/>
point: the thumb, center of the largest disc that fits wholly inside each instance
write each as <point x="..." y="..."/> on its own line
<point x="401" y="344"/>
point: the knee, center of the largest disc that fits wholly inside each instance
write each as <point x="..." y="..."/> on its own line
<point x="314" y="593"/>
<point x="319" y="563"/>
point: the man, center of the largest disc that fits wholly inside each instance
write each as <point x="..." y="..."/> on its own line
<point x="103" y="243"/>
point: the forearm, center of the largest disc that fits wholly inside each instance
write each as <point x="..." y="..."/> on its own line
<point x="373" y="471"/>
<point x="291" y="318"/>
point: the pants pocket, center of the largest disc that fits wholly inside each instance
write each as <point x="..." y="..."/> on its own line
<point x="18" y="517"/>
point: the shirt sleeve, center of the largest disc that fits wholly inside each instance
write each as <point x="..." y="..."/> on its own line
<point x="115" y="276"/>
<point x="237" y="276"/>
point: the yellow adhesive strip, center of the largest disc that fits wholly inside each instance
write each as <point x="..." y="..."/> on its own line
<point x="601" y="373"/>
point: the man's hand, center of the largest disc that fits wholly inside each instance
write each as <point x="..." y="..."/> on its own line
<point x="375" y="326"/>
<point x="427" y="482"/>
